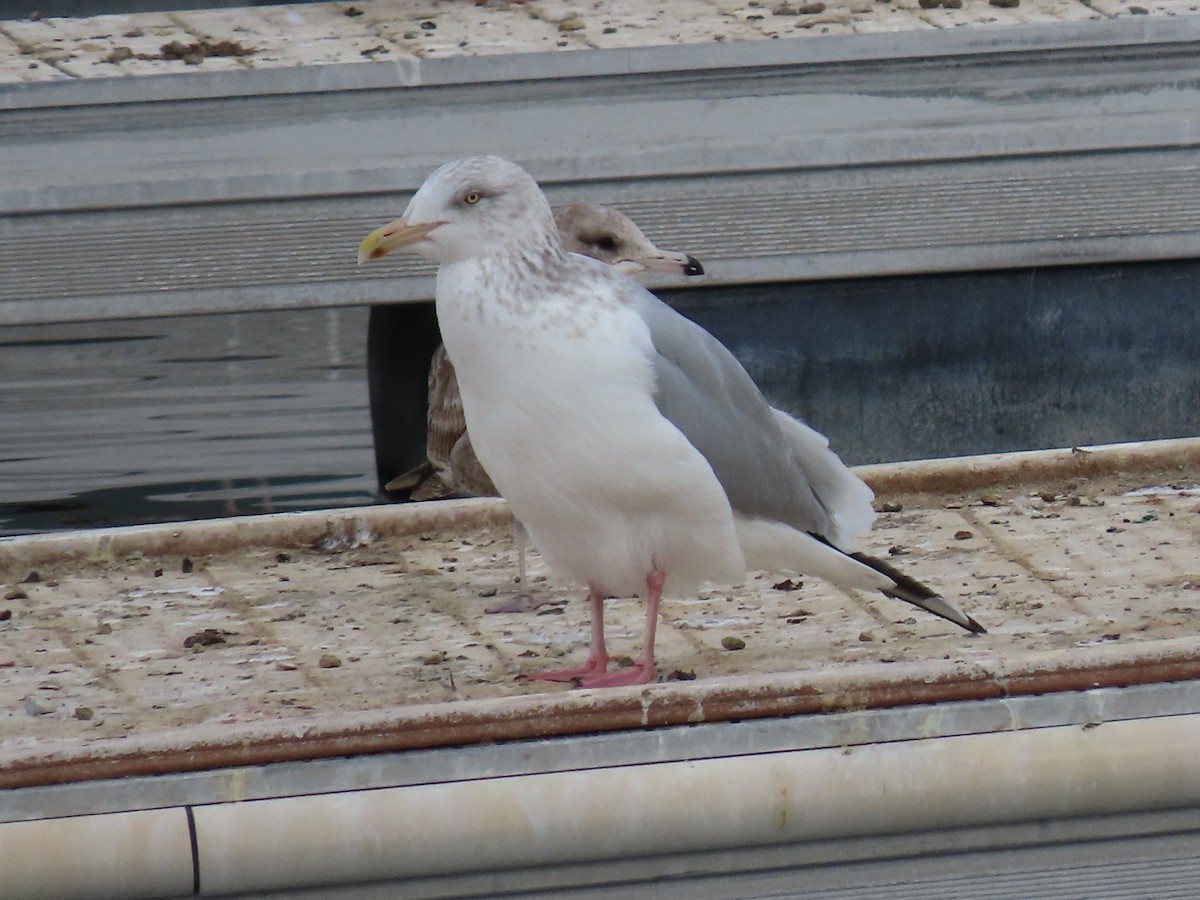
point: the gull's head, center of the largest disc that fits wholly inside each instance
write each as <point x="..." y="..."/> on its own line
<point x="611" y="237"/>
<point x="469" y="208"/>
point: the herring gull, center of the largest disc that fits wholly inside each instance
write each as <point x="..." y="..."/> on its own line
<point x="451" y="467"/>
<point x="636" y="450"/>
<point x="600" y="232"/>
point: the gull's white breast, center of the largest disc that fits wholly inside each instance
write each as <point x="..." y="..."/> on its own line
<point x="558" y="395"/>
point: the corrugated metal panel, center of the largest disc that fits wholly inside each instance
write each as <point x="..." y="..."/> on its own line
<point x="1163" y="878"/>
<point x="880" y="154"/>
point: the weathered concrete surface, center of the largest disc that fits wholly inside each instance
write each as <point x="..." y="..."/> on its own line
<point x="47" y="49"/>
<point x="214" y="643"/>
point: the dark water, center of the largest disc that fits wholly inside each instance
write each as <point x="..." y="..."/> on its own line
<point x="161" y="420"/>
<point x="166" y="419"/>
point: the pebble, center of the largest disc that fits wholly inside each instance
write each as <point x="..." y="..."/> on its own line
<point x="206" y="638"/>
<point x="35" y="706"/>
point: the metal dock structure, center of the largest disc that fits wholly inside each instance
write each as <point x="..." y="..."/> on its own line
<point x="900" y="141"/>
<point x="315" y="704"/>
<point x="927" y="150"/>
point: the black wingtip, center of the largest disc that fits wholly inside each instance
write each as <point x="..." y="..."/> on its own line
<point x="693" y="267"/>
<point x="974" y="627"/>
<point x="912" y="591"/>
<point x="939" y="606"/>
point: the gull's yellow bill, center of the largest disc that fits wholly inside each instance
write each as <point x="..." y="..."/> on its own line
<point x="392" y="236"/>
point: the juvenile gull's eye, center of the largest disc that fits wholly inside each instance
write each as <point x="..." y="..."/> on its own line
<point x="471" y="197"/>
<point x="601" y="241"/>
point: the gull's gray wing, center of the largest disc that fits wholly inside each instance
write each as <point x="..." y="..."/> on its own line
<point x="704" y="391"/>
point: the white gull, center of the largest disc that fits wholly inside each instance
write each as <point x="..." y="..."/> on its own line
<point x="451" y="467"/>
<point x="636" y="450"/>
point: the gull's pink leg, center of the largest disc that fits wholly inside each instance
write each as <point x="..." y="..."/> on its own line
<point x="597" y="662"/>
<point x="642" y="671"/>
<point x="525" y="601"/>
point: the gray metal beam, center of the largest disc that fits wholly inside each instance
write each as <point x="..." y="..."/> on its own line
<point x="775" y="160"/>
<point x="708" y="741"/>
<point x="1096" y="858"/>
<point x="1094" y="855"/>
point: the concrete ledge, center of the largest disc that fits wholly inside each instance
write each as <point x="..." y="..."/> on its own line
<point x="392" y="594"/>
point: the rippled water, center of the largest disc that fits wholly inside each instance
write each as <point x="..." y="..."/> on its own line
<point x="183" y="418"/>
<point x="158" y="420"/>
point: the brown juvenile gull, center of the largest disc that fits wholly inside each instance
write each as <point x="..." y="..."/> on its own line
<point x="636" y="450"/>
<point x="451" y="467"/>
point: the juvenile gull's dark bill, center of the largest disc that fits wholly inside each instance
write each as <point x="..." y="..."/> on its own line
<point x="633" y="446"/>
<point x="451" y="467"/>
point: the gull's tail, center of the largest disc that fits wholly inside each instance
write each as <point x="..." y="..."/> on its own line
<point x="912" y="591"/>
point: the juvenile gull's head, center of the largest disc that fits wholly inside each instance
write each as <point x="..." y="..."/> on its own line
<point x="612" y="237"/>
<point x="476" y="207"/>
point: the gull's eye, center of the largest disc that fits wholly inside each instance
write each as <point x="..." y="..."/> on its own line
<point x="601" y="241"/>
<point x="472" y="197"/>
